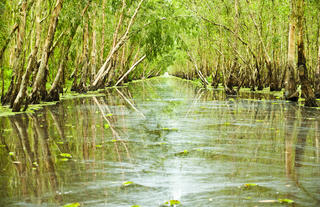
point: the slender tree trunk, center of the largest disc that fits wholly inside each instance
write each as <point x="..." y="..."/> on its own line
<point x="103" y="31"/>
<point x="93" y="51"/>
<point x="82" y="87"/>
<point x="56" y="87"/>
<point x="32" y="62"/>
<point x="317" y="74"/>
<point x="291" y="92"/>
<point x="39" y="87"/>
<point x="229" y="80"/>
<point x="21" y="59"/>
<point x="131" y="69"/>
<point x="7" y="41"/>
<point x="103" y="71"/>
<point x="114" y="59"/>
<point x="306" y="89"/>
<point x="18" y="57"/>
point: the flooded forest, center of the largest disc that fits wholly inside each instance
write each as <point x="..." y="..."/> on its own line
<point x="160" y="103"/>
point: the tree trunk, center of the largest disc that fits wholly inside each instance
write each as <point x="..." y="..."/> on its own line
<point x="103" y="71"/>
<point x="317" y="75"/>
<point x="56" y="87"/>
<point x="103" y="31"/>
<point x="94" y="51"/>
<point x="306" y="89"/>
<point x="18" y="58"/>
<point x="131" y="69"/>
<point x="114" y="60"/>
<point x="291" y="92"/>
<point x="7" y="41"/>
<point x="39" y="87"/>
<point x="16" y="106"/>
<point x="82" y="87"/>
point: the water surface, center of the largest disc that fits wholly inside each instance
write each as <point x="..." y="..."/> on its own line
<point x="159" y="140"/>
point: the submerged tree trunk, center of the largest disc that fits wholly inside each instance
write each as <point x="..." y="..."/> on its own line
<point x="306" y="89"/>
<point x="291" y="92"/>
<point x="39" y="91"/>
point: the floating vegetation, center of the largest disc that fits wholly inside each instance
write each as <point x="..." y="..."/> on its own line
<point x="249" y="185"/>
<point x="72" y="205"/>
<point x="282" y="201"/>
<point x="171" y="203"/>
<point x="64" y="159"/>
<point x="285" y="201"/>
<point x="169" y="129"/>
<point x="184" y="152"/>
<point x="127" y="183"/>
<point x="65" y="155"/>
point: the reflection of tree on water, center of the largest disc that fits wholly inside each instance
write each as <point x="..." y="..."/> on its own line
<point x="295" y="149"/>
<point x="108" y="136"/>
<point x="31" y="157"/>
<point x="41" y="127"/>
<point x="111" y="122"/>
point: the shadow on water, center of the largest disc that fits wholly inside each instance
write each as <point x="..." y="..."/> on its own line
<point x="159" y="140"/>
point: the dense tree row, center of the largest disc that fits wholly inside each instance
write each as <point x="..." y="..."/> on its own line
<point x="81" y="45"/>
<point x="255" y="44"/>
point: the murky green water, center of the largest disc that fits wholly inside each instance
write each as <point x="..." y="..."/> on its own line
<point x="160" y="140"/>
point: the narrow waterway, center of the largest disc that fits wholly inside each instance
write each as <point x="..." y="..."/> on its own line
<point x="159" y="140"/>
